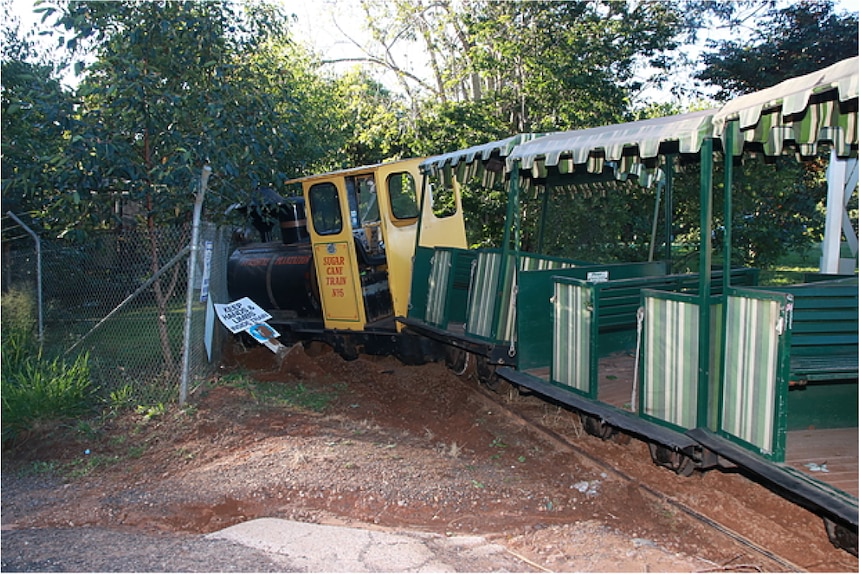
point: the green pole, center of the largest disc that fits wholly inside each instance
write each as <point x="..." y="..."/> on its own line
<point x="510" y="234"/>
<point x="541" y="243"/>
<point x="668" y="207"/>
<point x="704" y="328"/>
<point x="728" y="202"/>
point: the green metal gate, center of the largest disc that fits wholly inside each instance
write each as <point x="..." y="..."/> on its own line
<point x="669" y="393"/>
<point x="574" y="356"/>
<point x="754" y="389"/>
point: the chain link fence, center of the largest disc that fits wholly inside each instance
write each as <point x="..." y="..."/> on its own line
<point x="121" y="298"/>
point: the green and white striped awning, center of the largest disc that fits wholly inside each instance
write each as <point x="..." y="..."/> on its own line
<point x="484" y="160"/>
<point x="634" y="148"/>
<point x="817" y="107"/>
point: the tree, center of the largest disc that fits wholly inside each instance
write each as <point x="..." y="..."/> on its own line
<point x="36" y="111"/>
<point x="567" y="65"/>
<point x="175" y="86"/>
<point x="779" y="202"/>
<point x="371" y="119"/>
<point x="787" y="42"/>
<point x="545" y="65"/>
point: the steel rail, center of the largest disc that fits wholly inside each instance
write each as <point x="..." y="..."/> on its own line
<point x="565" y="443"/>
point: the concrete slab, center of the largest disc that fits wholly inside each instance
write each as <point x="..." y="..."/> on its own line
<point x="309" y="547"/>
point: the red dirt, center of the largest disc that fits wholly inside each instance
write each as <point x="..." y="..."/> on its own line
<point x="399" y="447"/>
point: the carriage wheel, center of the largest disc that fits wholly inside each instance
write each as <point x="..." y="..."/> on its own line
<point x="461" y="362"/>
<point x="487" y="374"/>
<point x="676" y="461"/>
<point x="596" y="427"/>
<point x="842" y="537"/>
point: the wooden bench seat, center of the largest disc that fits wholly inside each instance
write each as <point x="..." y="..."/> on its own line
<point x="619" y="300"/>
<point x="824" y="343"/>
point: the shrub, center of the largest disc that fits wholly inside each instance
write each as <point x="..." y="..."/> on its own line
<point x="34" y="387"/>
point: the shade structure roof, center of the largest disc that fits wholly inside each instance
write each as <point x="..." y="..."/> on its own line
<point x="818" y="107"/>
<point x="801" y="112"/>
<point x="483" y="160"/>
<point x="631" y="148"/>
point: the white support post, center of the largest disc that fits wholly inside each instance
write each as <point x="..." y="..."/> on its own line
<point x="842" y="177"/>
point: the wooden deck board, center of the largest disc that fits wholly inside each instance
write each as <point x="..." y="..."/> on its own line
<point x="837" y="448"/>
<point x="616" y="374"/>
<point x="615" y="379"/>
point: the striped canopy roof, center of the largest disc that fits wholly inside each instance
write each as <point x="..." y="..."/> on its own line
<point x="817" y="107"/>
<point x="632" y="147"/>
<point x="473" y="161"/>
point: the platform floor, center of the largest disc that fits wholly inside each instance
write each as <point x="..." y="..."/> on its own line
<point x="806" y="450"/>
<point x="829" y="455"/>
<point x="616" y="379"/>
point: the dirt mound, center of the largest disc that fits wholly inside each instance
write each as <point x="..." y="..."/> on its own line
<point x="312" y="437"/>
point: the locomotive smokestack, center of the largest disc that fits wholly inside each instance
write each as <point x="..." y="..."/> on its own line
<point x="266" y="206"/>
<point x="292" y="220"/>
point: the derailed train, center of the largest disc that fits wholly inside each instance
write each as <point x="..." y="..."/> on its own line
<point x="721" y="372"/>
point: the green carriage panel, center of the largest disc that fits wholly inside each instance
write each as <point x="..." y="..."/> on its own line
<point x="574" y="357"/>
<point x="535" y="309"/>
<point x="438" y="287"/>
<point x="484" y="295"/>
<point x="754" y="388"/>
<point x="669" y="389"/>
<point x="419" y="283"/>
<point x="460" y="284"/>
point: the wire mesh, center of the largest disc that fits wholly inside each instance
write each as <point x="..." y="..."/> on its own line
<point x="121" y="298"/>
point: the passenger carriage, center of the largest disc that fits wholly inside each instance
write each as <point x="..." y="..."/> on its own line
<point x="710" y="368"/>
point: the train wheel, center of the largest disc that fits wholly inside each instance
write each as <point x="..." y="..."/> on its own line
<point x="676" y="461"/>
<point x="596" y="427"/>
<point x="487" y="374"/>
<point x="842" y="537"/>
<point x="345" y="349"/>
<point x="461" y="362"/>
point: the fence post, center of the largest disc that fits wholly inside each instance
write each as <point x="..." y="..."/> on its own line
<point x="38" y="271"/>
<point x="187" y="328"/>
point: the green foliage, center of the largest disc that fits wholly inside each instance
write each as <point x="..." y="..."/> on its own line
<point x="563" y="65"/>
<point x="35" y="114"/>
<point x="609" y="221"/>
<point x="174" y="85"/>
<point x="35" y="387"/>
<point x="790" y="41"/>
<point x="778" y="210"/>
<point x="484" y="214"/>
<point x="370" y="119"/>
<point x="148" y="412"/>
<point x="448" y="126"/>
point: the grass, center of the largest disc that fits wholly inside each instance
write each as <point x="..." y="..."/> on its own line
<point x="131" y="337"/>
<point x="285" y="394"/>
<point x="792" y="268"/>
<point x="33" y="385"/>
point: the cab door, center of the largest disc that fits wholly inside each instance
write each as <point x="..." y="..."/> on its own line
<point x="334" y="253"/>
<point x="398" y="191"/>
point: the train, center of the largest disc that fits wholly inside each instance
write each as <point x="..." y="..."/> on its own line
<point x="335" y="264"/>
<point x="710" y="369"/>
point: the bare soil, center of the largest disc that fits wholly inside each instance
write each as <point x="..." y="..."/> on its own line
<point x="394" y="447"/>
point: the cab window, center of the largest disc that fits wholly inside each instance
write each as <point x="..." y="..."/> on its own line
<point x="369" y="210"/>
<point x="325" y="209"/>
<point x="402" y="195"/>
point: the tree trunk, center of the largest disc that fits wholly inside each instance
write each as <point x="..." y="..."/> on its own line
<point x="162" y="295"/>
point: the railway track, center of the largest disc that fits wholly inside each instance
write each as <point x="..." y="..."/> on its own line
<point x="764" y="559"/>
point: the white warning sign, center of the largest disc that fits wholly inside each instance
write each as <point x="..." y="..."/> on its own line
<point x="240" y="315"/>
